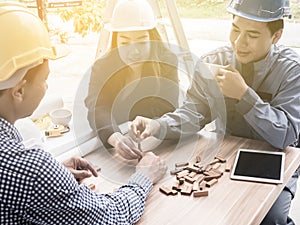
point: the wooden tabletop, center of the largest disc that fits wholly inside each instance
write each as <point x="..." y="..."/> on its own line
<point x="229" y="202"/>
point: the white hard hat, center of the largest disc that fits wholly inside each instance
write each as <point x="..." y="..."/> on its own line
<point x="260" y="10"/>
<point x="24" y="43"/>
<point x="132" y="15"/>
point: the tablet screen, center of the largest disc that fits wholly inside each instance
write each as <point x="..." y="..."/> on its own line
<point x="261" y="166"/>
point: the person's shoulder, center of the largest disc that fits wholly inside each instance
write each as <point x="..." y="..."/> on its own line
<point x="111" y="55"/>
<point x="288" y="54"/>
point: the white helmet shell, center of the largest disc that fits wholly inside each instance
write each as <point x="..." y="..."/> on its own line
<point x="132" y="15"/>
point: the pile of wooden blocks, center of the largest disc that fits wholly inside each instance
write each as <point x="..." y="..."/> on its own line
<point x="195" y="179"/>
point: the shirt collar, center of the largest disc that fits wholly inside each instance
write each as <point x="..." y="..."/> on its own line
<point x="261" y="65"/>
<point x="10" y="131"/>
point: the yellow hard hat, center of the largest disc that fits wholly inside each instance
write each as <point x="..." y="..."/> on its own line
<point x="132" y="15"/>
<point x="24" y="40"/>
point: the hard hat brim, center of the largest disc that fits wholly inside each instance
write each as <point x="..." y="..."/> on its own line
<point x="111" y="28"/>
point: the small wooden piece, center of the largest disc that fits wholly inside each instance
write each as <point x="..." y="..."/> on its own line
<point x="189" y="179"/>
<point x="186" y="190"/>
<point x="181" y="164"/>
<point x="192" y="174"/>
<point x="183" y="173"/>
<point x="221" y="159"/>
<point x="214" y="162"/>
<point x="228" y="167"/>
<point x="175" y="171"/>
<point x="200" y="193"/>
<point x="92" y="186"/>
<point x="165" y="190"/>
<point x="211" y="182"/>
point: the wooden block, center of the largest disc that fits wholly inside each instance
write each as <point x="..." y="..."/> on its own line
<point x="181" y="181"/>
<point x="174" y="192"/>
<point x="214" y="162"/>
<point x="211" y="182"/>
<point x="183" y="173"/>
<point x="181" y="164"/>
<point x="189" y="179"/>
<point x="193" y="169"/>
<point x="186" y="190"/>
<point x="165" y="190"/>
<point x="192" y="174"/>
<point x="92" y="186"/>
<point x="175" y="171"/>
<point x="199" y="178"/>
<point x="202" y="185"/>
<point x="196" y="186"/>
<point x="200" y="193"/>
<point x="216" y="166"/>
<point x="200" y="167"/>
<point x="176" y="186"/>
<point x="212" y="173"/>
<point x="228" y="167"/>
<point x="208" y="168"/>
<point x="218" y="171"/>
<point x="221" y="159"/>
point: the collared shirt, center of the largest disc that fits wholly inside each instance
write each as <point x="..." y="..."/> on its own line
<point x="37" y="189"/>
<point x="269" y="110"/>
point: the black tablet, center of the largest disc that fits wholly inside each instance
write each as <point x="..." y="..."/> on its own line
<point x="260" y="166"/>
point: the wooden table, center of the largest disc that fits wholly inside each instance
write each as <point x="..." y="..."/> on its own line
<point x="229" y="202"/>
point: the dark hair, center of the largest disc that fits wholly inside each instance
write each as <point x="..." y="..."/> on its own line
<point x="275" y="26"/>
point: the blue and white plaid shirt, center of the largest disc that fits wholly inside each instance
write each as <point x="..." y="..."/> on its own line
<point x="36" y="189"/>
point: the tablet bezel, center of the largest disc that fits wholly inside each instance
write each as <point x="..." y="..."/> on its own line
<point x="258" y="179"/>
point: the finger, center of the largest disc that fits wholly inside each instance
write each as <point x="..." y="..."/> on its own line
<point x="81" y="174"/>
<point x="84" y="164"/>
<point x="136" y="125"/>
<point x="138" y="152"/>
<point x="146" y="133"/>
<point x="133" y="128"/>
<point x="92" y="170"/>
<point x="127" y="153"/>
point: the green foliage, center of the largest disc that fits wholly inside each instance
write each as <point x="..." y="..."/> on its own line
<point x="86" y="18"/>
<point x="295" y="9"/>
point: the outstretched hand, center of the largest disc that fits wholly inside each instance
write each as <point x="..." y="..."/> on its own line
<point x="142" y="127"/>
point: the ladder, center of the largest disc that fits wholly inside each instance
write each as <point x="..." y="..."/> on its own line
<point x="161" y="26"/>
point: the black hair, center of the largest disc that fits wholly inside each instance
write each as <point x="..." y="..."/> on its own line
<point x="275" y="26"/>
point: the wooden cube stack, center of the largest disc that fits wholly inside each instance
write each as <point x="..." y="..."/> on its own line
<point x="195" y="179"/>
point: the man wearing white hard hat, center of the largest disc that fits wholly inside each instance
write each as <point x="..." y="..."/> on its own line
<point x="260" y="82"/>
<point x="132" y="77"/>
<point x="34" y="187"/>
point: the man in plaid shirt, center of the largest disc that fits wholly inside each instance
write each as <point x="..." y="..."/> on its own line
<point x="34" y="187"/>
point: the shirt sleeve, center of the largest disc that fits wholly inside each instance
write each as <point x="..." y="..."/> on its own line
<point x="57" y="199"/>
<point x="202" y="96"/>
<point x="278" y="121"/>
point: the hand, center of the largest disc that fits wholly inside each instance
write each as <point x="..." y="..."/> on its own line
<point x="152" y="166"/>
<point x="231" y="82"/>
<point x="142" y="127"/>
<point x="80" y="168"/>
<point x="124" y="146"/>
